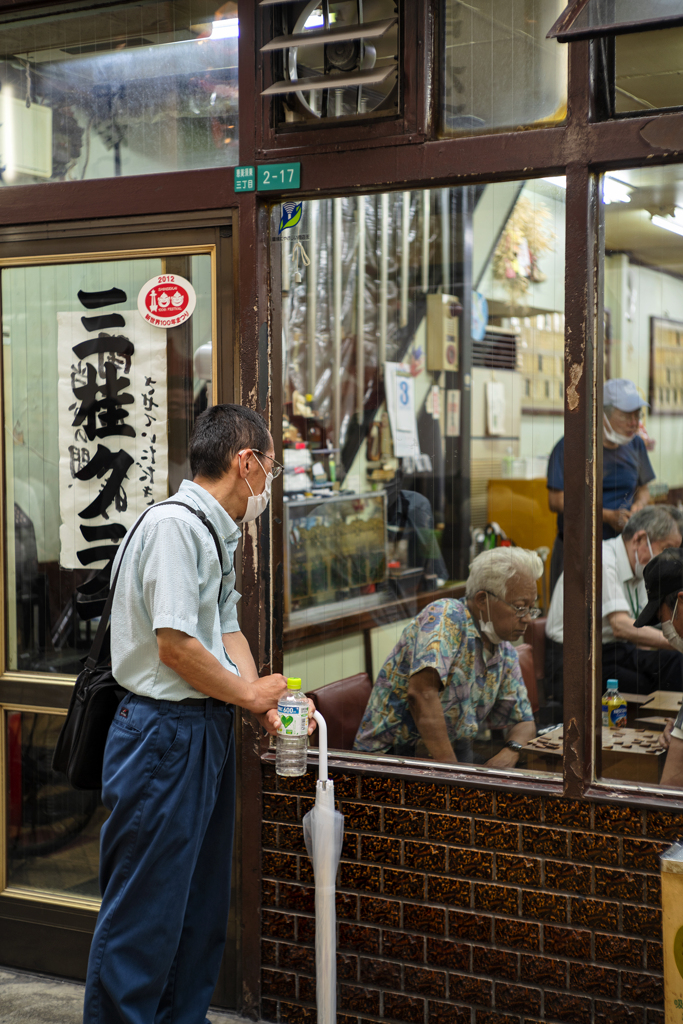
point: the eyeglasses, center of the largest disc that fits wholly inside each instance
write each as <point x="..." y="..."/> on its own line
<point x="521" y="613"/>
<point x="277" y="469"/>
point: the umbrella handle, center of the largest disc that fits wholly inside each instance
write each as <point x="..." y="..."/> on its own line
<point x="322" y="746"/>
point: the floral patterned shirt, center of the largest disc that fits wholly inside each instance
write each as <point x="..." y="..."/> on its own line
<point x="444" y="637"/>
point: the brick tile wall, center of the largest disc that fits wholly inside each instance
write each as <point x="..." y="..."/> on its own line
<point x="462" y="906"/>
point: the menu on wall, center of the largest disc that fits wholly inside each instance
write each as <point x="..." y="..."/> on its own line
<point x="113" y="453"/>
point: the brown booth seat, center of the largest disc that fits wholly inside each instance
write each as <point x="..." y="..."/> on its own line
<point x="343" y="702"/>
<point x="535" y="637"/>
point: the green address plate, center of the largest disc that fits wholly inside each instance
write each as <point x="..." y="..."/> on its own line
<point x="277" y="177"/>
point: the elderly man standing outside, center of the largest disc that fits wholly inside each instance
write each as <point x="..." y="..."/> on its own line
<point x="169" y="765"/>
<point x="664" y="583"/>
<point x="626" y="468"/>
<point x="454" y="668"/>
<point x="642" y="660"/>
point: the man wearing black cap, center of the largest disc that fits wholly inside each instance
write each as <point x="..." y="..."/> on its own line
<point x="664" y="583"/>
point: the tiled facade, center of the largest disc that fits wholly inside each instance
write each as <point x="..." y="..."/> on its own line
<point x="465" y="906"/>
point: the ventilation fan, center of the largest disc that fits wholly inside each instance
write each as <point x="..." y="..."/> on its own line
<point x="334" y="59"/>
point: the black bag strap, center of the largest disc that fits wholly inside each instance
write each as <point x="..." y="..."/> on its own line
<point x="93" y="658"/>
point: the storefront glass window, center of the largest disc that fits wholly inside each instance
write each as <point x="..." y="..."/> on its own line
<point x="53" y="831"/>
<point x="99" y="405"/>
<point x="423" y="394"/>
<point x="647" y="71"/>
<point x="498" y="69"/>
<point x="134" y="89"/>
<point x="642" y="471"/>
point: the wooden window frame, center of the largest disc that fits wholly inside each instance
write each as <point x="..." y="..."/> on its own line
<point x="334" y="164"/>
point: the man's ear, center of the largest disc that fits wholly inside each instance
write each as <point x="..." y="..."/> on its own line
<point x="242" y="462"/>
<point x="479" y="600"/>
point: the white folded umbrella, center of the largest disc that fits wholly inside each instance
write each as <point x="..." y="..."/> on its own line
<point x="323" y="834"/>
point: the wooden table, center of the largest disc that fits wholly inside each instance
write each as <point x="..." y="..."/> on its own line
<point x="631" y="755"/>
<point x="662" y="702"/>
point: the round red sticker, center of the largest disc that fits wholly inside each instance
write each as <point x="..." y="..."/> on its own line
<point x="167" y="300"/>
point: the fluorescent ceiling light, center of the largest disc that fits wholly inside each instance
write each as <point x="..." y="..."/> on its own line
<point x="229" y="28"/>
<point x="674" y="223"/>
<point x="615" y="191"/>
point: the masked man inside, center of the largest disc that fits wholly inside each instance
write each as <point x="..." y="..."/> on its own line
<point x="664" y="583"/>
<point x="169" y="764"/>
<point x="454" y="669"/>
<point x="626" y="468"/>
<point x="641" y="659"/>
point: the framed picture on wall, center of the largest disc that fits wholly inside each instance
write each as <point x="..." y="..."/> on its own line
<point x="666" y="366"/>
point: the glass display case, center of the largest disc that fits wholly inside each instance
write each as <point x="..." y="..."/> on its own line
<point x="335" y="553"/>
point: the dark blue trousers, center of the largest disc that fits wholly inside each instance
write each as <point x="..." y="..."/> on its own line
<point x="165" y="853"/>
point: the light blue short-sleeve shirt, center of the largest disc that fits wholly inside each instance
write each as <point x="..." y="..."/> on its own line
<point x="170" y="577"/>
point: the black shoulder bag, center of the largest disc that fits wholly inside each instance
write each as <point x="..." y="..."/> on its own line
<point x="79" y="752"/>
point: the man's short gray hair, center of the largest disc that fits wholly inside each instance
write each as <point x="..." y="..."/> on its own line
<point x="656" y="520"/>
<point x="493" y="570"/>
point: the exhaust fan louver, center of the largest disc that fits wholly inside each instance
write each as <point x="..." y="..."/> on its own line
<point x="334" y="61"/>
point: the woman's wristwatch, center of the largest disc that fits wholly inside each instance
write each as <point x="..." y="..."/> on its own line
<point x="514" y="745"/>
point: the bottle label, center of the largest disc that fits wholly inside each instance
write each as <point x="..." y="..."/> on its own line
<point x="294" y="719"/>
<point x="617" y="716"/>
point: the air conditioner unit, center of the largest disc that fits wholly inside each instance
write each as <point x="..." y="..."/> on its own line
<point x="332" y="61"/>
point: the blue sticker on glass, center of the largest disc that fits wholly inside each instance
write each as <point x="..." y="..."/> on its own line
<point x="290" y="216"/>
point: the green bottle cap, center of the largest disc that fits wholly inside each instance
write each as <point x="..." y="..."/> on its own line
<point x="612" y="684"/>
<point x="293" y="684"/>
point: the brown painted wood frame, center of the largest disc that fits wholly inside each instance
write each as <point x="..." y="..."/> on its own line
<point x="40" y="932"/>
<point x="333" y="163"/>
<point x="581" y="148"/>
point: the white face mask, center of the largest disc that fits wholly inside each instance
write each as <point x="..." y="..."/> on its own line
<point x="257" y="503"/>
<point x="612" y="435"/>
<point x="671" y="633"/>
<point x="487" y="629"/>
<point x="639" y="569"/>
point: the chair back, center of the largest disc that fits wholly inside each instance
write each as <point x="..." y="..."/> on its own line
<point x="342" y="705"/>
<point x="525" y="652"/>
<point x="535" y="636"/>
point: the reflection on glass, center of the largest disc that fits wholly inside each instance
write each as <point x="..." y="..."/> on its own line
<point x="499" y="70"/>
<point x="98" y="411"/>
<point x="129" y="90"/>
<point x="335" y="553"/>
<point x="422" y="377"/>
<point x="53" y="831"/>
<point x="647" y="71"/>
<point x="598" y="14"/>
<point x="643" y="399"/>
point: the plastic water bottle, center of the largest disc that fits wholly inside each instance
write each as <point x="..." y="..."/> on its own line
<point x="613" y="707"/>
<point x="292" y="739"/>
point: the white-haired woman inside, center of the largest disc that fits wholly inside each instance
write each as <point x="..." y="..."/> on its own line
<point x="455" y="669"/>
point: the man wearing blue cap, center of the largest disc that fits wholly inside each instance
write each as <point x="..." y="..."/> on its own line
<point x="626" y="468"/>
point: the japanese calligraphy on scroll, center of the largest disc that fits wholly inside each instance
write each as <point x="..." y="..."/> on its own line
<point x="113" y="458"/>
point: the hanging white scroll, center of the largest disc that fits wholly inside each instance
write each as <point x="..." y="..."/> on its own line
<point x="113" y="453"/>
